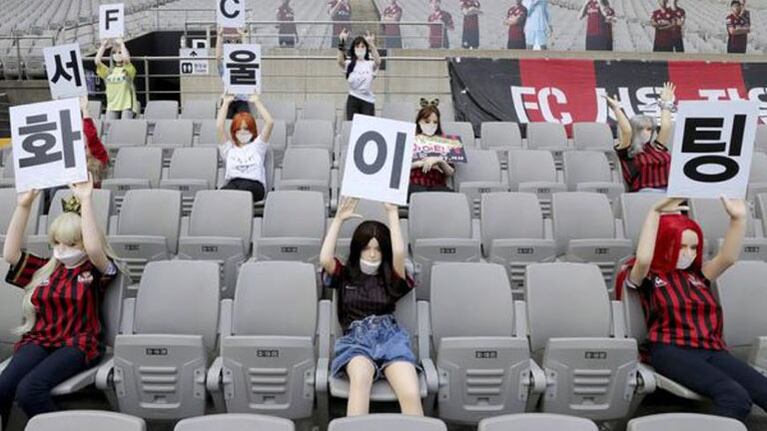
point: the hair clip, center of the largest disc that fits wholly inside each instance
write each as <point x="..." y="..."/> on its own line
<point x="424" y="102"/>
<point x="71" y="205"/>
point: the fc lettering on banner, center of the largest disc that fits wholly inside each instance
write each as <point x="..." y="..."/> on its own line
<point x="242" y="68"/>
<point x="64" y="66"/>
<point x="713" y="148"/>
<point x="378" y="160"/>
<point x="48" y="144"/>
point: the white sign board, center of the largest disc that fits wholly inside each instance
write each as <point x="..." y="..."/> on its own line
<point x="713" y="147"/>
<point x="242" y="68"/>
<point x="111" y="21"/>
<point x="48" y="144"/>
<point x="230" y="13"/>
<point x="64" y="66"/>
<point x="378" y="159"/>
<point x="189" y="65"/>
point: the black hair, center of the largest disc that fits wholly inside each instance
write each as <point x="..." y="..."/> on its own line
<point x="353" y="55"/>
<point x="425" y="113"/>
<point x="366" y="231"/>
<point x="734" y="2"/>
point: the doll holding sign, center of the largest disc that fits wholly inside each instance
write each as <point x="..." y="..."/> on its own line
<point x="430" y="174"/>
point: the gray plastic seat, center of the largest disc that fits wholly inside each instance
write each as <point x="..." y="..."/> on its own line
<point x="172" y="134"/>
<point x="484" y="362"/>
<point x="306" y="169"/>
<point x="387" y="422"/>
<point x="502" y="137"/>
<point x="147" y="228"/>
<point x="10" y="313"/>
<point x="235" y="422"/>
<point x="313" y="134"/>
<point x="590" y="373"/>
<point x="125" y="133"/>
<point x="684" y="422"/>
<point x="584" y="229"/>
<point x="402" y="111"/>
<point x="208" y="134"/>
<point x="634" y="209"/>
<point x="479" y="175"/>
<point x="319" y="110"/>
<point x="518" y="242"/>
<point x="757" y="181"/>
<point x="161" y="358"/>
<point x="534" y="171"/>
<point x="94" y="108"/>
<point x="589" y="171"/>
<point x="547" y="136"/>
<point x="761" y="138"/>
<point x="284" y="110"/>
<point x="274" y="314"/>
<point x="134" y="168"/>
<point x="714" y="222"/>
<point x="85" y="420"/>
<point x="191" y="170"/>
<point x="8" y="199"/>
<point x="292" y="227"/>
<point x="161" y="110"/>
<point x="537" y="422"/>
<point x="204" y="109"/>
<point x="593" y="137"/>
<point x="278" y="142"/>
<point x="440" y="230"/>
<point x="462" y="129"/>
<point x="222" y="236"/>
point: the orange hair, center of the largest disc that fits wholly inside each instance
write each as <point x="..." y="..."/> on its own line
<point x="250" y="124"/>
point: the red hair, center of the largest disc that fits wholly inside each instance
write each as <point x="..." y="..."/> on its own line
<point x="250" y="124"/>
<point x="668" y="242"/>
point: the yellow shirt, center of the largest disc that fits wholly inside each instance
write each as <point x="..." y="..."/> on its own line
<point x="119" y="83"/>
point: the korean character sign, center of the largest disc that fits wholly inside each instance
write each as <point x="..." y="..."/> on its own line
<point x="378" y="161"/>
<point x="242" y="68"/>
<point x="712" y="149"/>
<point x="111" y="21"/>
<point x="64" y="65"/>
<point x="230" y="13"/>
<point x="48" y="144"/>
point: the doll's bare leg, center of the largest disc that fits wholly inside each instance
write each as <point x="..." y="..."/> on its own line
<point x="403" y="378"/>
<point x="361" y="372"/>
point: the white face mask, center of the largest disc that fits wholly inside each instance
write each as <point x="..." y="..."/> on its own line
<point x="117" y="58"/>
<point x="428" y="129"/>
<point x="369" y="268"/>
<point x="360" y="52"/>
<point x="646" y="136"/>
<point x="244" y="137"/>
<point x="685" y="260"/>
<point x="69" y="256"/>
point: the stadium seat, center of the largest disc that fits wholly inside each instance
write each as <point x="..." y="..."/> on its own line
<point x="39" y="244"/>
<point x="537" y="422"/>
<point x="278" y="142"/>
<point x="589" y="171"/>
<point x="134" y="168"/>
<point x="634" y="209"/>
<point x="440" y="230"/>
<point x="479" y="175"/>
<point x="386" y="422"/>
<point x="284" y="110"/>
<point x="10" y="313"/>
<point x="235" y="422"/>
<point x="343" y="139"/>
<point x="319" y="110"/>
<point x="221" y="236"/>
<point x="8" y="199"/>
<point x="714" y="222"/>
<point x="547" y="136"/>
<point x="208" y="135"/>
<point x="313" y="134"/>
<point x="684" y="422"/>
<point x="369" y="210"/>
<point x="125" y="133"/>
<point x="94" y="109"/>
<point x="292" y="227"/>
<point x="171" y="134"/>
<point x="197" y="110"/>
<point x="274" y="314"/>
<point x="515" y="245"/>
<point x="592" y="370"/>
<point x="401" y="111"/>
<point x="462" y="129"/>
<point x="84" y="420"/>
<point x="757" y="181"/>
<point x="593" y="137"/>
<point x="191" y="170"/>
<point x="534" y="171"/>
<point x="161" y="110"/>
<point x="761" y="138"/>
<point x="501" y="136"/>
<point x="147" y="228"/>
<point x="165" y="341"/>
<point x="483" y="362"/>
<point x="585" y="231"/>
<point x="306" y="169"/>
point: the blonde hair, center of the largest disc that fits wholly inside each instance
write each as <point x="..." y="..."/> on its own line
<point x="65" y="229"/>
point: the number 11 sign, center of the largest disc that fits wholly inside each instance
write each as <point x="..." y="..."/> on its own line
<point x="378" y="160"/>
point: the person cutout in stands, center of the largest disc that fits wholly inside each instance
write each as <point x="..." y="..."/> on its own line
<point x="288" y="34"/>
<point x="443" y="22"/>
<point x="340" y="11"/>
<point x="240" y="102"/>
<point x="677" y="30"/>
<point x="471" y="11"/>
<point x="119" y="78"/>
<point x="243" y="149"/>
<point x="738" y="27"/>
<point x="367" y="288"/>
<point x="662" y="19"/>
<point x="598" y="25"/>
<point x="61" y="333"/>
<point x="643" y="153"/>
<point x="515" y="20"/>
<point x="538" y="27"/>
<point x="360" y="69"/>
<point x="392" y="15"/>
<point x="431" y="173"/>
<point x="683" y="317"/>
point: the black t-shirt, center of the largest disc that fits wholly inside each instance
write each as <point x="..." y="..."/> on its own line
<point x="368" y="295"/>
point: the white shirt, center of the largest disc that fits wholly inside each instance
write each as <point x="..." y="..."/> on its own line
<point x="361" y="79"/>
<point x="246" y="161"/>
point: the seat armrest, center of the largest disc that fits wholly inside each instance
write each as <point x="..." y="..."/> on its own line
<point x="113" y="225"/>
<point x="225" y="318"/>
<point x="213" y="379"/>
<point x="127" y="322"/>
<point x="424" y="330"/>
<point x="4" y="364"/>
<point x="520" y="319"/>
<point x="76" y="382"/>
<point x="322" y="376"/>
<point x="42" y="225"/>
<point x="538" y="381"/>
<point x="104" y="375"/>
<point x="618" y="321"/>
<point x="257" y="225"/>
<point x="647" y="380"/>
<point x="431" y="376"/>
<point x="323" y="327"/>
<point x="184" y="229"/>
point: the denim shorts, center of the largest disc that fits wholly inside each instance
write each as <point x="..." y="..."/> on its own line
<point x="377" y="338"/>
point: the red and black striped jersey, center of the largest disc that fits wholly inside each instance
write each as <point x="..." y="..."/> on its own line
<point x="648" y="169"/>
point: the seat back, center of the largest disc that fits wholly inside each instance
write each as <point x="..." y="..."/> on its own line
<point x="585" y="166"/>
<point x="592" y="136"/>
<point x="208" y="134"/>
<point x="758" y="168"/>
<point x="292" y="213"/>
<point x="402" y="111"/>
<point x="741" y="293"/>
<point x="537" y="422"/>
<point x="78" y="420"/>
<point x="174" y="133"/>
<point x="481" y="165"/>
<point x="450" y="209"/>
<point x="684" y="422"/>
<point x="761" y="138"/>
<point x="496" y="207"/>
<point x="194" y="164"/>
<point x="235" y="422"/>
<point x="278" y="141"/>
<point x="198" y="110"/>
<point x="8" y="199"/>
<point x="501" y="135"/>
<point x="10" y="313"/>
<point x="634" y="209"/>
<point x="284" y="110"/>
<point x="531" y="165"/>
<point x="139" y="163"/>
<point x="319" y="110"/>
<point x="462" y="129"/>
<point x="714" y="221"/>
<point x="313" y="133"/>
<point x="306" y="164"/>
<point x="386" y="422"/>
<point x="151" y="212"/>
<point x="161" y="110"/>
<point x="101" y="205"/>
<point x="570" y="209"/>
<point x="126" y="133"/>
<point x="546" y="135"/>
<point x="207" y="219"/>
